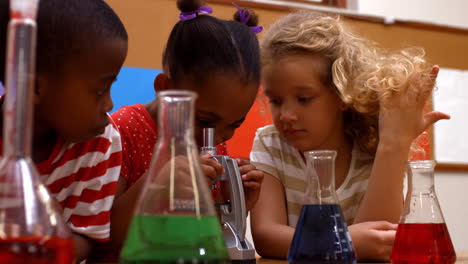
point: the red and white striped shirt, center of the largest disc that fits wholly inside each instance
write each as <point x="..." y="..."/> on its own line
<point x="83" y="179"/>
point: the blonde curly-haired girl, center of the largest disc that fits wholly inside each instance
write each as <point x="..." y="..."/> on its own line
<point x="330" y="89"/>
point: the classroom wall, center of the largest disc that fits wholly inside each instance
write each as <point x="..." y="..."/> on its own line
<point x="451" y="188"/>
<point x="149" y="23"/>
<point x="448" y="12"/>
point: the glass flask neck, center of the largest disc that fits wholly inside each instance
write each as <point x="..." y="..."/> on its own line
<point x="18" y="116"/>
<point x="421" y="177"/>
<point x="175" y="114"/>
<point x="421" y="203"/>
<point x="321" y="177"/>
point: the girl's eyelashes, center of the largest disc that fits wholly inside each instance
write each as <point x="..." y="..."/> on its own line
<point x="274" y="101"/>
<point x="205" y="122"/>
<point x="235" y="126"/>
<point x="300" y="99"/>
<point x="304" y="99"/>
<point x="101" y="92"/>
<point x="104" y="90"/>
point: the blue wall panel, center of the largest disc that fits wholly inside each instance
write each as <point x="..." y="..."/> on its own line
<point x="133" y="85"/>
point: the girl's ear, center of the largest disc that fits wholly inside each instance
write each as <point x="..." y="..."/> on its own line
<point x="343" y="106"/>
<point x="161" y="82"/>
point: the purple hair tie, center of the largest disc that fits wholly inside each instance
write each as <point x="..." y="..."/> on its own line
<point x="191" y="15"/>
<point x="256" y="29"/>
<point x="245" y="17"/>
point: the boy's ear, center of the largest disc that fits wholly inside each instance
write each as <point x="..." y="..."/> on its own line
<point x="341" y="105"/>
<point x="161" y="82"/>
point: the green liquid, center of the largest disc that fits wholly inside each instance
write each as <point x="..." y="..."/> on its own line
<point x="174" y="239"/>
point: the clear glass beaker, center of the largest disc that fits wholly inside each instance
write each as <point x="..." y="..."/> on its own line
<point x="31" y="227"/>
<point x="422" y="235"/>
<point x="321" y="234"/>
<point x="175" y="220"/>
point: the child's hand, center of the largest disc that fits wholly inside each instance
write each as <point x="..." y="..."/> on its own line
<point x="402" y="115"/>
<point x="373" y="240"/>
<point x="210" y="167"/>
<point x="182" y="176"/>
<point x="252" y="181"/>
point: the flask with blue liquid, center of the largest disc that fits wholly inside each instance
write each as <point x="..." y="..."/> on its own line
<point x="321" y="235"/>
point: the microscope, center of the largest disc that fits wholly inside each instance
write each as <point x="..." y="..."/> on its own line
<point x="231" y="210"/>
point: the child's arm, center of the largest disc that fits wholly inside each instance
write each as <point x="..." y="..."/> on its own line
<point x="401" y="120"/>
<point x="122" y="209"/>
<point x="83" y="247"/>
<point x="269" y="220"/>
<point x="383" y="199"/>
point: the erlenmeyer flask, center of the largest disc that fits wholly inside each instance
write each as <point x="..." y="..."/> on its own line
<point x="31" y="227"/>
<point x="321" y="234"/>
<point x="175" y="220"/>
<point x="422" y="235"/>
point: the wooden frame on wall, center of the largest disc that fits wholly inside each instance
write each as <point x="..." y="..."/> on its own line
<point x="451" y="96"/>
<point x="338" y="7"/>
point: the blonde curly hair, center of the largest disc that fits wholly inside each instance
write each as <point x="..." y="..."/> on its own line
<point x="361" y="73"/>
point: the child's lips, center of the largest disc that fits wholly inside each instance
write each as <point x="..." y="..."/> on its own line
<point x="294" y="132"/>
<point x="102" y="128"/>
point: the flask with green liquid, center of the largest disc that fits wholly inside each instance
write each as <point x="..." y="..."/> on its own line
<point x="175" y="220"/>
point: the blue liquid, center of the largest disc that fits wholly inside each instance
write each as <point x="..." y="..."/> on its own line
<point x="321" y="237"/>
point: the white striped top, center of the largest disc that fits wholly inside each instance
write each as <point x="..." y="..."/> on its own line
<point x="273" y="155"/>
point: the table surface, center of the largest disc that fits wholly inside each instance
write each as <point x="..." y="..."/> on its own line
<point x="462" y="258"/>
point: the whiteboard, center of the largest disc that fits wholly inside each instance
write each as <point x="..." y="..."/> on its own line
<point x="451" y="97"/>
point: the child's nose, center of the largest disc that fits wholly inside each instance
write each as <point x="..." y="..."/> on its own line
<point x="219" y="138"/>
<point x="222" y="135"/>
<point x="287" y="113"/>
<point x="108" y="103"/>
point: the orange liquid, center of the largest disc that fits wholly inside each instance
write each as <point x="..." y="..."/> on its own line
<point x="36" y="250"/>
